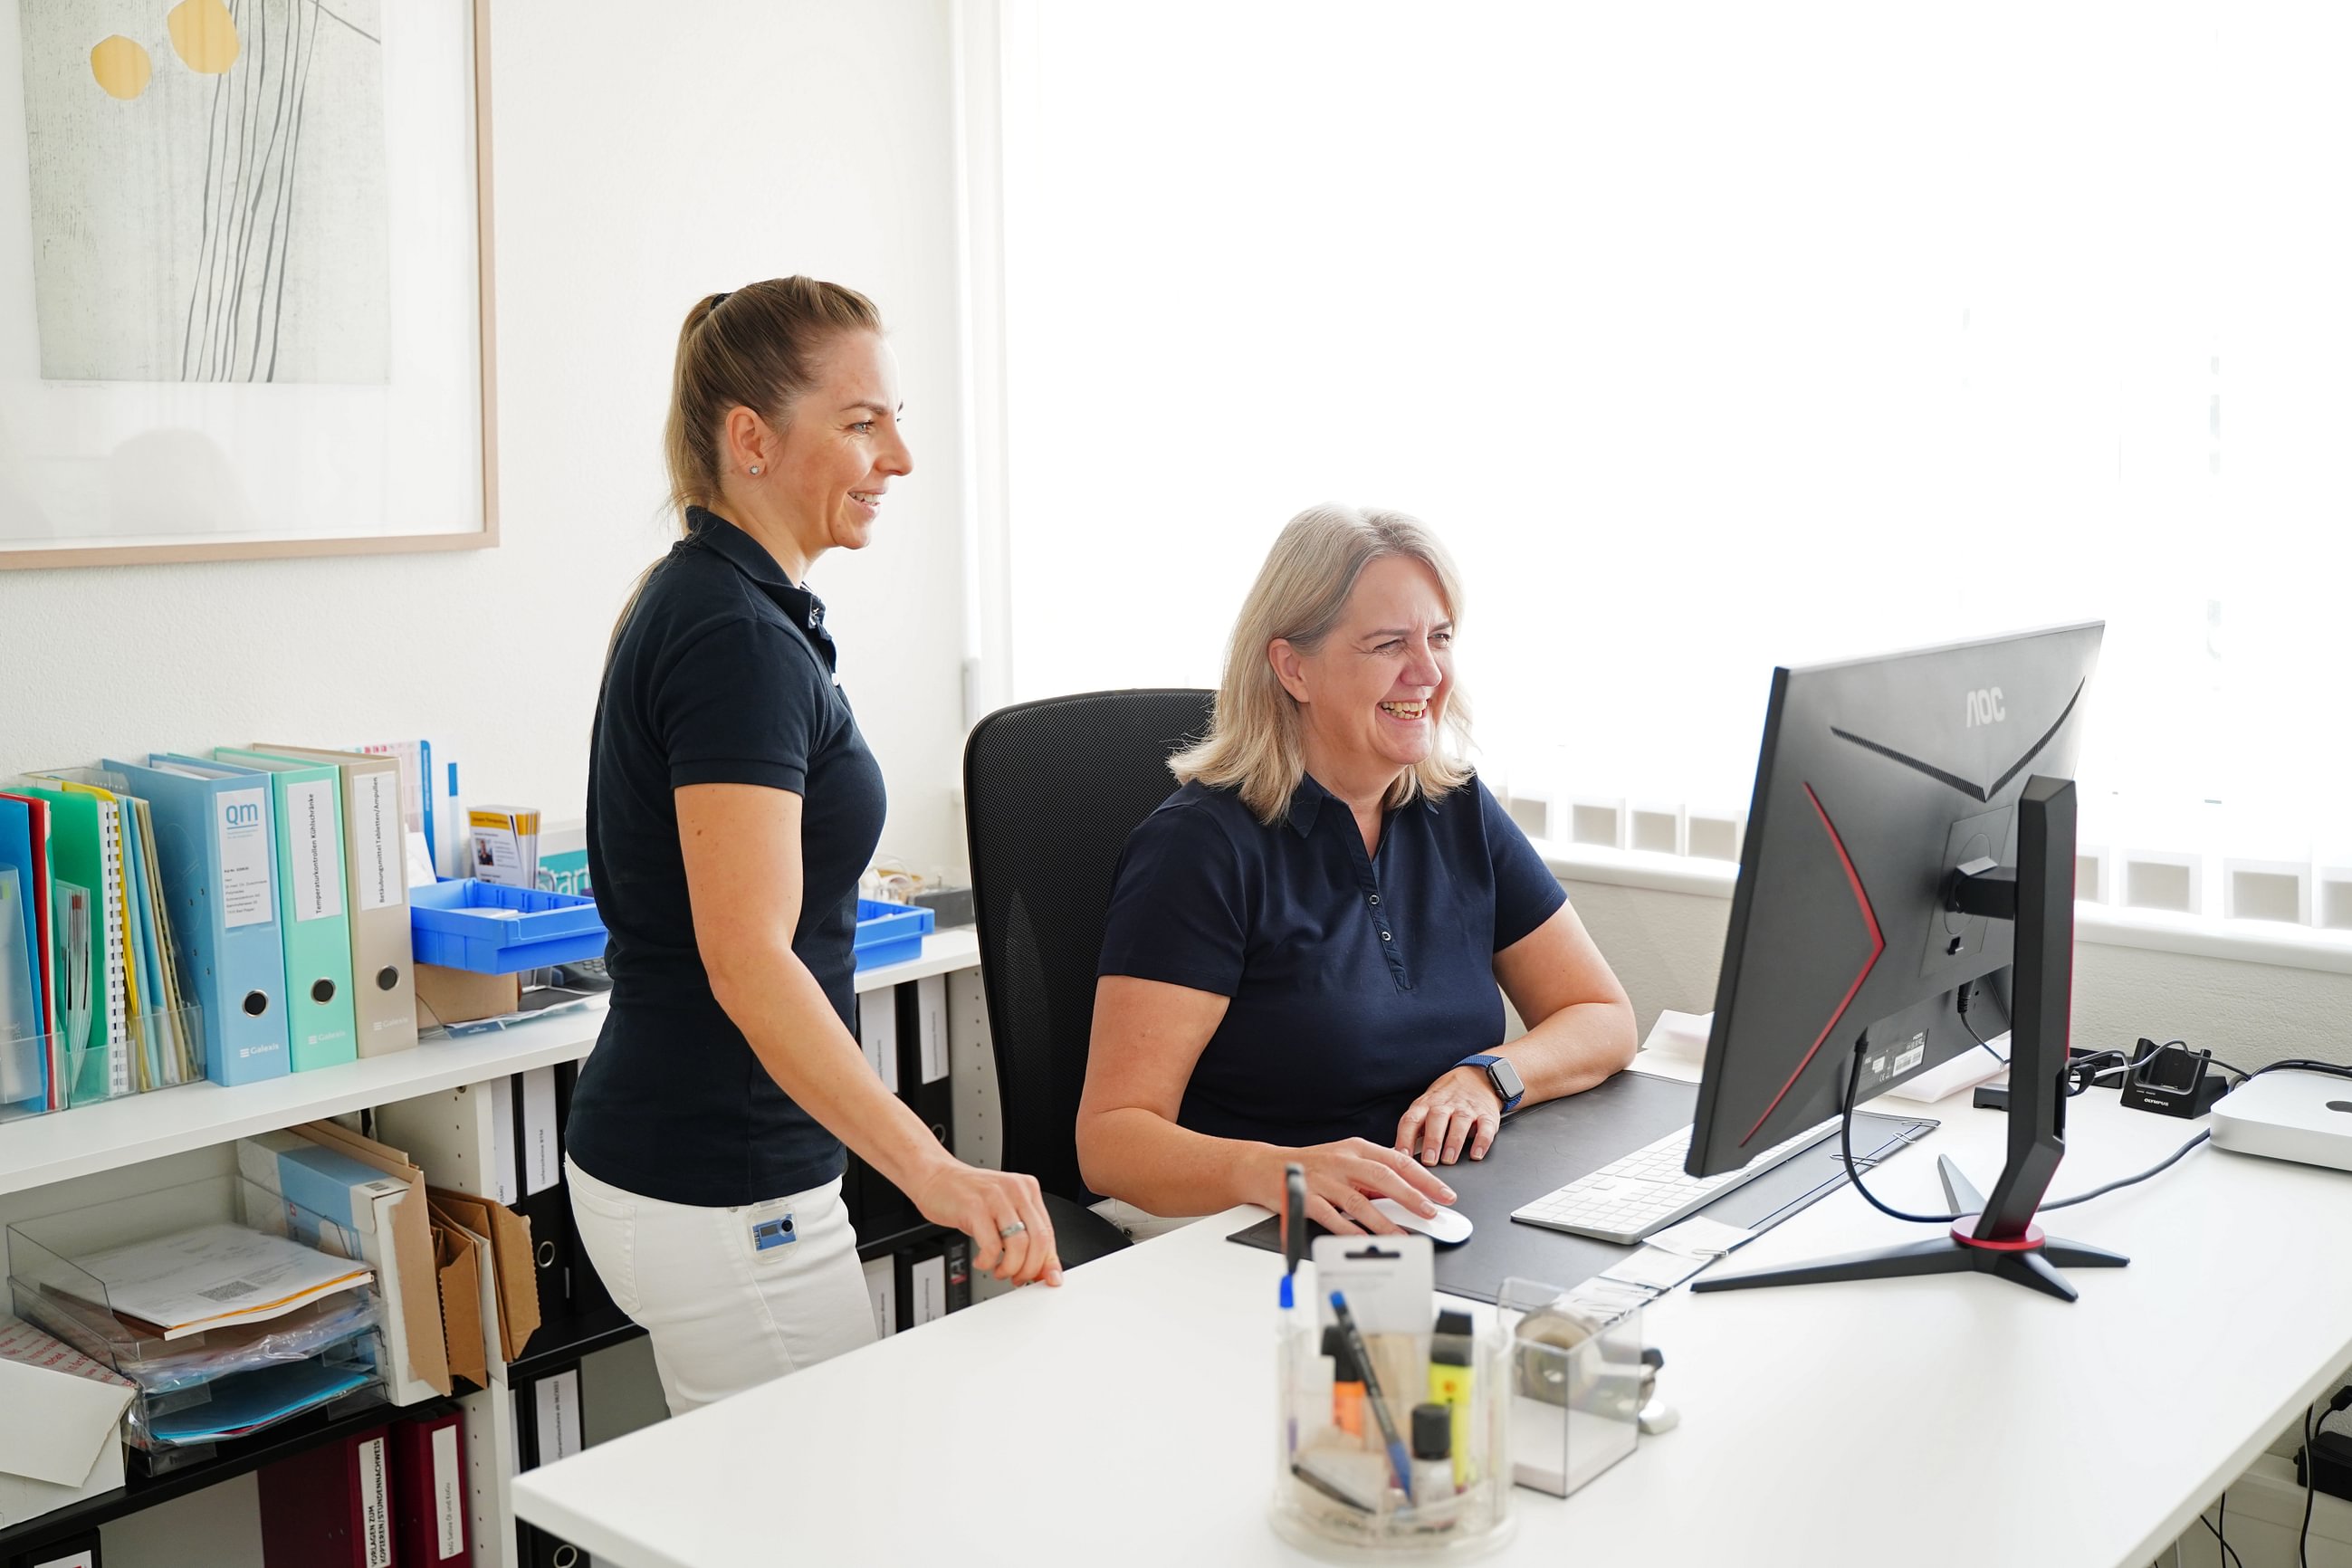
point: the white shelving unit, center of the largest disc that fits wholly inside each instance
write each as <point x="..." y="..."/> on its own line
<point x="41" y="1150"/>
<point x="90" y="1141"/>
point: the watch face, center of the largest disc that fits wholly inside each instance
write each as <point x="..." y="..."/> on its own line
<point x="1507" y="1080"/>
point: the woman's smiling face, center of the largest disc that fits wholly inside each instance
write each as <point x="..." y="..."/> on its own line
<point x="1373" y="694"/>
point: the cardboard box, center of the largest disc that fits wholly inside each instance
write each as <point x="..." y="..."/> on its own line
<point x="62" y="1440"/>
<point x="445" y="996"/>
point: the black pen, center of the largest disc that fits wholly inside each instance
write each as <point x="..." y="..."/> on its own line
<point x="1372" y="1395"/>
<point x="1294" y="1225"/>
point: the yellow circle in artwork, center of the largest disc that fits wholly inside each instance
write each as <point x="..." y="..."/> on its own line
<point x="120" y="65"/>
<point x="204" y="35"/>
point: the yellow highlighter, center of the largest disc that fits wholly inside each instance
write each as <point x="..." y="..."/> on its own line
<point x="1449" y="1383"/>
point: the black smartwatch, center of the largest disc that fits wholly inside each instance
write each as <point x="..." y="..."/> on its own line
<point x="1503" y="1075"/>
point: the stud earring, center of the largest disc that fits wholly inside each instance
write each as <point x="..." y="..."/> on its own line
<point x="755" y="470"/>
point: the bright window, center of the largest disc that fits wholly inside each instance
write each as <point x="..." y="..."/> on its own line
<point x="1709" y="339"/>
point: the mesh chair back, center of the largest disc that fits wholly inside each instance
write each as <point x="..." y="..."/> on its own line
<point x="1051" y="792"/>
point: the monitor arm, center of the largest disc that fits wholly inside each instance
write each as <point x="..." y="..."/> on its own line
<point x="2038" y="895"/>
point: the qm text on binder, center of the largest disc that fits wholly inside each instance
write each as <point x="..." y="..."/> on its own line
<point x="314" y="922"/>
<point x="215" y="849"/>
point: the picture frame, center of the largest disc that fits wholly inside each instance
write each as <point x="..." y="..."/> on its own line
<point x="245" y="311"/>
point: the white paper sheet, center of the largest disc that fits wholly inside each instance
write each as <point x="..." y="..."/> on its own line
<point x="215" y="1274"/>
<point x="1699" y="1237"/>
<point x="1654" y="1268"/>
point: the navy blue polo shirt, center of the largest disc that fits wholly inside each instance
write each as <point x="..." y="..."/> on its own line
<point x="724" y="674"/>
<point x="1355" y="979"/>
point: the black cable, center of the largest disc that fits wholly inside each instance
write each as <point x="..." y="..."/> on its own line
<point x="1853" y="1174"/>
<point x="2303" y="1064"/>
<point x="1845" y="1148"/>
<point x="2084" y="1072"/>
<point x="2219" y="1533"/>
<point x="1960" y="1001"/>
<point x="2127" y="1180"/>
<point x="2310" y="1479"/>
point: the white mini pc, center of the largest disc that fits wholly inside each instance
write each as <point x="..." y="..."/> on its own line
<point x="2288" y="1115"/>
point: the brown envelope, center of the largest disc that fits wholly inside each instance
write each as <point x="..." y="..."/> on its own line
<point x="517" y="1274"/>
<point x="461" y="1301"/>
<point x="420" y="1327"/>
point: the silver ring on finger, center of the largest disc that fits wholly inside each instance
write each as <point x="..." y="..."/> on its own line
<point x="1009" y="1231"/>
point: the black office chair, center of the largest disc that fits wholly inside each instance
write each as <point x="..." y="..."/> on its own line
<point x="1051" y="791"/>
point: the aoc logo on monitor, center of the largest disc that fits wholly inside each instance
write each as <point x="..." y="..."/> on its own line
<point x="1985" y="708"/>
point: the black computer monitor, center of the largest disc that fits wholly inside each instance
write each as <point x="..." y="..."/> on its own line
<point x="1910" y="846"/>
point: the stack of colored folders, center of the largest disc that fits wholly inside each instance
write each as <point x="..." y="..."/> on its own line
<point x="95" y="998"/>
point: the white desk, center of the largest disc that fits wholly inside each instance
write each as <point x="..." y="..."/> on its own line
<point x="1957" y="1421"/>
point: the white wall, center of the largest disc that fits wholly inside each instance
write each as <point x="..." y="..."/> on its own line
<point x="638" y="165"/>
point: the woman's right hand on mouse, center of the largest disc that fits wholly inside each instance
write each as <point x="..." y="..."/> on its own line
<point x="984" y="1205"/>
<point x="1343" y="1178"/>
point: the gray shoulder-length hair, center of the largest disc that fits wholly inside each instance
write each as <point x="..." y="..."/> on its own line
<point x="1254" y="744"/>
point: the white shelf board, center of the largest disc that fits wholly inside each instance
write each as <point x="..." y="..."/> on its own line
<point x="943" y="952"/>
<point x="116" y="1132"/>
<point x="68" y="1143"/>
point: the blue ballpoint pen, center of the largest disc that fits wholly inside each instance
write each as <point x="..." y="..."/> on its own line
<point x="1372" y="1395"/>
<point x="1294" y="1241"/>
<point x="1294" y="1225"/>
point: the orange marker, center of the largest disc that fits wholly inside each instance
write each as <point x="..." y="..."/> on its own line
<point x="1347" y="1384"/>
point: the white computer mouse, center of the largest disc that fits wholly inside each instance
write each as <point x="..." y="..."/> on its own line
<point x="1447" y="1229"/>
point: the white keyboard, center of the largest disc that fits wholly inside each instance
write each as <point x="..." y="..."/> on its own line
<point x="1648" y="1190"/>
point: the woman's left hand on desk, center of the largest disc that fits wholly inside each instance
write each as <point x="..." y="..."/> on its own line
<point x="1459" y="1109"/>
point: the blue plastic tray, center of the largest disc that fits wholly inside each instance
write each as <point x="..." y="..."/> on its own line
<point x="490" y="930"/>
<point x="889" y="934"/>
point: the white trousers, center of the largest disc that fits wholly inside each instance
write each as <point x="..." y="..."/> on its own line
<point x="729" y="1297"/>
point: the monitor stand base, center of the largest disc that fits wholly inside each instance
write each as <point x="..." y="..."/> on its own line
<point x="2032" y="1261"/>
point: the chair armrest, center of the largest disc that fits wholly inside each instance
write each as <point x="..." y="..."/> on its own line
<point x="1080" y="1235"/>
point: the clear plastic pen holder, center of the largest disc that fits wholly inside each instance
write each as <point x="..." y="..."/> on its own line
<point x="1372" y="1513"/>
<point x="1577" y="1385"/>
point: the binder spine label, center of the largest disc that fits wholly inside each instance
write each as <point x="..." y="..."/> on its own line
<point x="931" y="1008"/>
<point x="316" y="879"/>
<point x="559" y="1416"/>
<point x="448" y="1494"/>
<point x="242" y="820"/>
<point x="375" y="1505"/>
<point x="376" y="805"/>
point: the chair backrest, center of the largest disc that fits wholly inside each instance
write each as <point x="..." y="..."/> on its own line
<point x="1051" y="792"/>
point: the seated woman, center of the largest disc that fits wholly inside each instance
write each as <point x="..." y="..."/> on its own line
<point x="1305" y="940"/>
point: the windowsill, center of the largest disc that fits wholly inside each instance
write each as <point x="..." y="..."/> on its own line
<point x="2241" y="942"/>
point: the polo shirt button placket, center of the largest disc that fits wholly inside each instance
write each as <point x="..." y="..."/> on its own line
<point x="1387" y="938"/>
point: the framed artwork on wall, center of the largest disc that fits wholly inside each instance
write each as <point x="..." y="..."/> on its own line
<point x="244" y="280"/>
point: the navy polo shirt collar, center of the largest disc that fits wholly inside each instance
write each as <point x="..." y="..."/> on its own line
<point x="749" y="556"/>
<point x="1307" y="804"/>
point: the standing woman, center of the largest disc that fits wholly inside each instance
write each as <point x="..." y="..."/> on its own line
<point x="732" y="805"/>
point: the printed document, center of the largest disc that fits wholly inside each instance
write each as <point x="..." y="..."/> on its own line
<point x="215" y="1274"/>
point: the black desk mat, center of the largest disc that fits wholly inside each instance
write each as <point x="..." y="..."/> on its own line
<point x="1548" y="1146"/>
